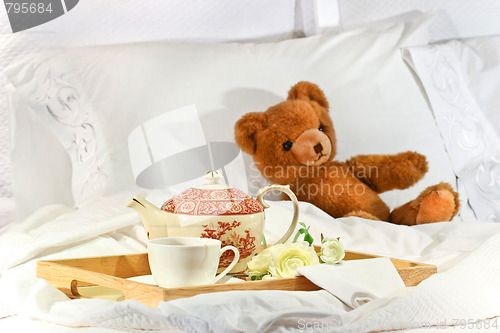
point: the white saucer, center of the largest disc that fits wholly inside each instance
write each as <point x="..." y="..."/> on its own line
<point x="149" y="279"/>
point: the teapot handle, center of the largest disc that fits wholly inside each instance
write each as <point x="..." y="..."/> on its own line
<point x="285" y="189"/>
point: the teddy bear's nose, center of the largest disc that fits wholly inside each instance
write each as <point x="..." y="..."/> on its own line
<point x="318" y="148"/>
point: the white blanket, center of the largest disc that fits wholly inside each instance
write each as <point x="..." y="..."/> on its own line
<point x="469" y="274"/>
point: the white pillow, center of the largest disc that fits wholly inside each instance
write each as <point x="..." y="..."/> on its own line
<point x="376" y="105"/>
<point x="462" y="82"/>
<point x="101" y="22"/>
<point x="455" y="18"/>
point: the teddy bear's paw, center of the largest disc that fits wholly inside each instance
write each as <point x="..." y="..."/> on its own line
<point x="418" y="161"/>
<point x="363" y="214"/>
<point x="409" y="167"/>
<point x="437" y="203"/>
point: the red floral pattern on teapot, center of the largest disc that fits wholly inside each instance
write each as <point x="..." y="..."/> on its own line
<point x="226" y="201"/>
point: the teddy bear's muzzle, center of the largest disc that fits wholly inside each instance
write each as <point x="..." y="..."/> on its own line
<point x="312" y="147"/>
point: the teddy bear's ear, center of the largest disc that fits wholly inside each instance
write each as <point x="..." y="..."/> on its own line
<point x="308" y="90"/>
<point x="246" y="129"/>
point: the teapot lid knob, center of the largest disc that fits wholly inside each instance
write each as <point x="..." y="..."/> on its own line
<point x="212" y="177"/>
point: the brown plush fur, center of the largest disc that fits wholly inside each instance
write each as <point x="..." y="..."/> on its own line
<point x="294" y="143"/>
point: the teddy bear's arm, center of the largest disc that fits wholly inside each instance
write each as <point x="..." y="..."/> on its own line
<point x="387" y="172"/>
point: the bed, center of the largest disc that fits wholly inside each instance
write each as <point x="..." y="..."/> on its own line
<point x="414" y="75"/>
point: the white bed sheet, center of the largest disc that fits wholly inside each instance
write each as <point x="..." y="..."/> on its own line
<point x="105" y="227"/>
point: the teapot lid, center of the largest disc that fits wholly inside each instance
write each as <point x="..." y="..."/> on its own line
<point x="213" y="198"/>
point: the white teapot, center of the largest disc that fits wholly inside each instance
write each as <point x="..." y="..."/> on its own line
<point x="214" y="211"/>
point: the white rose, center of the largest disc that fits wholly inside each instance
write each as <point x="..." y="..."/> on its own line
<point x="259" y="265"/>
<point x="332" y="251"/>
<point x="290" y="256"/>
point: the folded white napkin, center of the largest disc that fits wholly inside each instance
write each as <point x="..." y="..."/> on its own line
<point x="149" y="279"/>
<point x="355" y="282"/>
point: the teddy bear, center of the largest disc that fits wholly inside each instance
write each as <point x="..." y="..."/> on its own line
<point x="293" y="143"/>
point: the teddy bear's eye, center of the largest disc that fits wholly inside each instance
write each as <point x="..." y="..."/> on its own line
<point x="321" y="128"/>
<point x="287" y="145"/>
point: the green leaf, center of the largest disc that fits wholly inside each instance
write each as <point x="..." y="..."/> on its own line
<point x="264" y="242"/>
<point x="308" y="238"/>
<point x="305" y="231"/>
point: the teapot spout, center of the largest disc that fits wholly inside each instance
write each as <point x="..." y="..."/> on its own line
<point x="153" y="219"/>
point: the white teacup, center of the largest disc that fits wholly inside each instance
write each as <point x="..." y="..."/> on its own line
<point x="187" y="261"/>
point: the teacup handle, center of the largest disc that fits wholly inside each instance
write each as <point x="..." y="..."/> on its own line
<point x="295" y="218"/>
<point x="230" y="267"/>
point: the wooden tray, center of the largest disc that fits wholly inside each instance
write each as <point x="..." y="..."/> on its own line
<point x="69" y="275"/>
